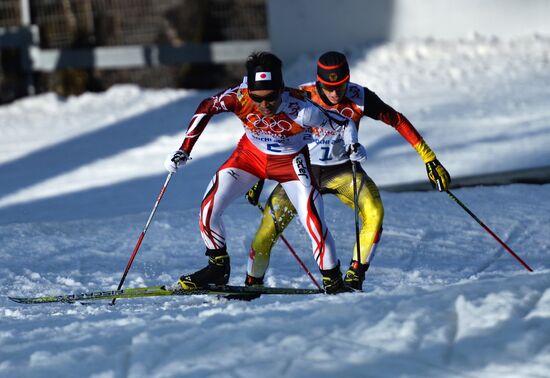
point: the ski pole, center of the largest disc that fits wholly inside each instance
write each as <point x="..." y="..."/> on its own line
<point x="356" y="209"/>
<point x="138" y="244"/>
<point x="453" y="197"/>
<point x="304" y="267"/>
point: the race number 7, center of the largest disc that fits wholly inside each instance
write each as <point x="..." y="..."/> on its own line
<point x="326" y="154"/>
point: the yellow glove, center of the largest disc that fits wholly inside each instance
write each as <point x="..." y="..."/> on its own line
<point x="437" y="174"/>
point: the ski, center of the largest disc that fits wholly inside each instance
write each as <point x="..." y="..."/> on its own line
<point x="158" y="291"/>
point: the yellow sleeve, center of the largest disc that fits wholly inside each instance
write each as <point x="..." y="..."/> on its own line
<point x="424" y="151"/>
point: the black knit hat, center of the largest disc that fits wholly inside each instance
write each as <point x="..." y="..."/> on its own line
<point x="332" y="68"/>
<point x="264" y="72"/>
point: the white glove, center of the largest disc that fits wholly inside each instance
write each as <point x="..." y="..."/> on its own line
<point x="175" y="160"/>
<point x="357" y="152"/>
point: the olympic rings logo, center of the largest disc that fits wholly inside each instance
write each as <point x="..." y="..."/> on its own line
<point x="346" y="112"/>
<point x="269" y="123"/>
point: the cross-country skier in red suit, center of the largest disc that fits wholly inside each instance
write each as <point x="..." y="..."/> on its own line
<point x="277" y="123"/>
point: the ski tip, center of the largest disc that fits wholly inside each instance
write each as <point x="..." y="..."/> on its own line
<point x="29" y="300"/>
<point x="17" y="300"/>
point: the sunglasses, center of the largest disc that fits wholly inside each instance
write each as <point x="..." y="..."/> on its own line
<point x="331" y="88"/>
<point x="268" y="98"/>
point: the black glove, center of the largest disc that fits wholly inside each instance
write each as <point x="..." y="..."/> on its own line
<point x="438" y="175"/>
<point x="253" y="195"/>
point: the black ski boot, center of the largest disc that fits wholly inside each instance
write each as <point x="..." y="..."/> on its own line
<point x="332" y="281"/>
<point x="216" y="272"/>
<point x="254" y="281"/>
<point x="248" y="281"/>
<point x="356" y="275"/>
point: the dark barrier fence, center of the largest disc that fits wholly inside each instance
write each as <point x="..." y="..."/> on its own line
<point x="73" y="46"/>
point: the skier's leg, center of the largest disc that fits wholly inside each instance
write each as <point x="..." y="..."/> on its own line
<point x="371" y="212"/>
<point x="294" y="174"/>
<point x="226" y="185"/>
<point x="277" y="214"/>
<point x="309" y="206"/>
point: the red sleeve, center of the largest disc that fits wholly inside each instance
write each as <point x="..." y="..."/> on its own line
<point x="402" y="125"/>
<point x="226" y="101"/>
<point x="377" y="109"/>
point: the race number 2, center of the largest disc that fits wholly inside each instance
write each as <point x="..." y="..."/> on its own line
<point x="275" y="147"/>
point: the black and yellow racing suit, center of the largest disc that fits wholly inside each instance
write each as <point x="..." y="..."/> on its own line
<point x="333" y="171"/>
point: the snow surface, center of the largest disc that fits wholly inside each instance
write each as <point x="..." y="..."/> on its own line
<point x="79" y="177"/>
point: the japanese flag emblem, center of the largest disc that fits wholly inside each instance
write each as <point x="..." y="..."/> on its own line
<point x="263" y="76"/>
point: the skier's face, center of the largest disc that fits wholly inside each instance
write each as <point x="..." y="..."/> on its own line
<point x="267" y="101"/>
<point x="335" y="94"/>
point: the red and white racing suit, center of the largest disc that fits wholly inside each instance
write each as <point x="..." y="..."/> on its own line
<point x="275" y="148"/>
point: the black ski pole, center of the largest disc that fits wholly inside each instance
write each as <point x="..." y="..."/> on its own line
<point x="453" y="197"/>
<point x="138" y="244"/>
<point x="356" y="209"/>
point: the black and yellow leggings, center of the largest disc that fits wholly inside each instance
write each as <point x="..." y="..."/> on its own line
<point x="337" y="180"/>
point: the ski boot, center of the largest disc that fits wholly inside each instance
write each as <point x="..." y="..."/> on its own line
<point x="356" y="275"/>
<point x="332" y="281"/>
<point x="216" y="272"/>
<point x="254" y="281"/>
<point x="248" y="281"/>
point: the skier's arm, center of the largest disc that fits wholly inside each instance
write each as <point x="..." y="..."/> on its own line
<point x="377" y="109"/>
<point x="316" y="116"/>
<point x="333" y="121"/>
<point x="225" y="101"/>
<point x="222" y="102"/>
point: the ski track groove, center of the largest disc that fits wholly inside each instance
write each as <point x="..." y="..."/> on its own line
<point x="127" y="360"/>
<point x="499" y="250"/>
<point x="287" y="365"/>
<point x="451" y="336"/>
<point x="530" y="304"/>
<point x="414" y="251"/>
<point x="415" y="238"/>
<point x="415" y="360"/>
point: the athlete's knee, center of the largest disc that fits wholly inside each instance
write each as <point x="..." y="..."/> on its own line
<point x="278" y="217"/>
<point x="378" y="210"/>
<point x="209" y="213"/>
<point x="372" y="210"/>
<point x="279" y="205"/>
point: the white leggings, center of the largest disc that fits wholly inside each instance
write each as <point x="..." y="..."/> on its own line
<point x="230" y="183"/>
